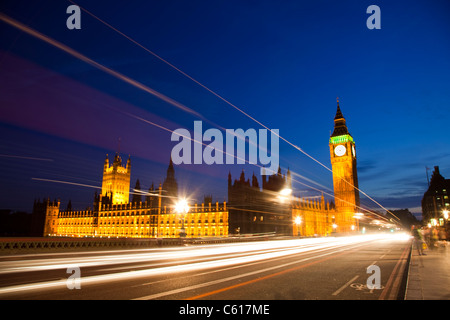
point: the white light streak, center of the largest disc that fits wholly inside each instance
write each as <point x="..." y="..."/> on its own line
<point x="95" y="64"/>
<point x="67" y="182"/>
<point x="25" y="158"/>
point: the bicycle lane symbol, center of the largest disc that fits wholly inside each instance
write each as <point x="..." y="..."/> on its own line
<point x="364" y="288"/>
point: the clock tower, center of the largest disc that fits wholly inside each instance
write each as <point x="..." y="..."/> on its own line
<point x="345" y="179"/>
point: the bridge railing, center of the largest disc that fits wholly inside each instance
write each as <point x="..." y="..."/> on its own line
<point x="52" y="244"/>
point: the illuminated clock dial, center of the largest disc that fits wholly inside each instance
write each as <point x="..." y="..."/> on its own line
<point x="353" y="150"/>
<point x="340" y="150"/>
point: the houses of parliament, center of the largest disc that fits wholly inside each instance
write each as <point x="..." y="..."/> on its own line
<point x="251" y="208"/>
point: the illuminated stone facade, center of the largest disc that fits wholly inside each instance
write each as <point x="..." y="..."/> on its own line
<point x="79" y="223"/>
<point x="345" y="179"/>
<point x="139" y="220"/>
<point x="116" y="180"/>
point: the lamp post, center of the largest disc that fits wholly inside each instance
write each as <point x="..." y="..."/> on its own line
<point x="182" y="207"/>
<point x="445" y="213"/>
<point x="334" y="226"/>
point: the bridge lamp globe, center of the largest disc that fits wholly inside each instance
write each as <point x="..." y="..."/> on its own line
<point x="285" y="192"/>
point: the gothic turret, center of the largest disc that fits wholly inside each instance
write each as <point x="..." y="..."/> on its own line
<point x="170" y="186"/>
<point x="116" y="180"/>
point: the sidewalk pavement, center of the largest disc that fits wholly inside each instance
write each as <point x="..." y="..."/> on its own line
<point x="429" y="274"/>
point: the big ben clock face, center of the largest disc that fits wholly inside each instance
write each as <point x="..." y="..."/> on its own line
<point x="339" y="150"/>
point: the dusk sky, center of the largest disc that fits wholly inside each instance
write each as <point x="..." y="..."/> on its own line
<point x="281" y="62"/>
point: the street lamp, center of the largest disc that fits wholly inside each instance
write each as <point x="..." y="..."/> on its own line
<point x="182" y="207"/>
<point x="334" y="226"/>
<point x="298" y="221"/>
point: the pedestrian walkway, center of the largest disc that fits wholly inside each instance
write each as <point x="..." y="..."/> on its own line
<point x="429" y="275"/>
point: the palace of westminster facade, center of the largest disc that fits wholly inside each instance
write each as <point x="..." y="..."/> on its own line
<point x="250" y="209"/>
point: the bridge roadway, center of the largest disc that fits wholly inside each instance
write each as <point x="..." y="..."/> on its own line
<point x="315" y="268"/>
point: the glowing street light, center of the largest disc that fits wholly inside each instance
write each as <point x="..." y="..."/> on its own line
<point x="298" y="222"/>
<point x="182" y="206"/>
<point x="445" y="212"/>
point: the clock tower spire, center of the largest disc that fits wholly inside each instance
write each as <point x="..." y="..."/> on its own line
<point x="340" y="128"/>
<point x="345" y="179"/>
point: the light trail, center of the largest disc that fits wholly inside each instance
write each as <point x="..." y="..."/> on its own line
<point x="137" y="192"/>
<point x="310" y="180"/>
<point x="25" y="158"/>
<point x="201" y="251"/>
<point x="95" y="64"/>
<point x="195" y="141"/>
<point x="158" y="195"/>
